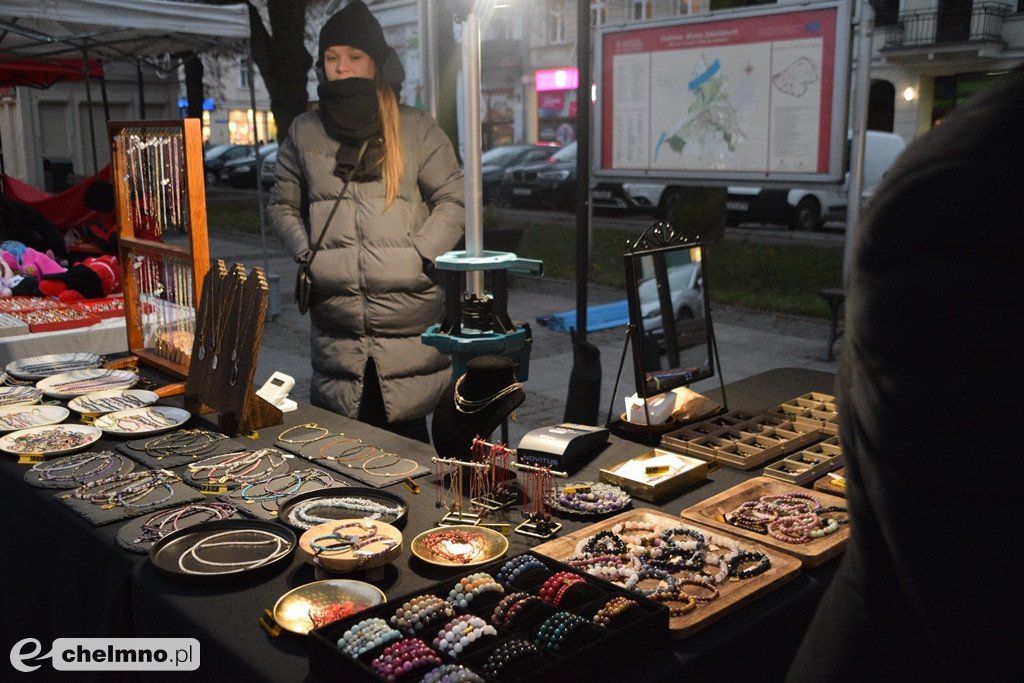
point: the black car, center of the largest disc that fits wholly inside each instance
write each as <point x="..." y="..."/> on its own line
<point x="550" y="184"/>
<point x="496" y="160"/>
<point x="215" y="157"/>
<point x="241" y="172"/>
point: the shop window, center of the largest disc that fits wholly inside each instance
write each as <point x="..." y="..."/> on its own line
<point x="556" y="21"/>
<point x="642" y="9"/>
<point x="599" y="12"/>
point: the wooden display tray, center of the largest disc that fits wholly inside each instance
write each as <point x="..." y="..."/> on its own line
<point x="825" y="485"/>
<point x="732" y="594"/>
<point x="811" y="554"/>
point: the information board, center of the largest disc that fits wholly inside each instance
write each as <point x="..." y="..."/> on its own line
<point x="749" y="95"/>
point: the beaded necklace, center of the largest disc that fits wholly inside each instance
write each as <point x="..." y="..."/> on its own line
<point x="470" y="406"/>
<point x="128" y="491"/>
<point x="193" y="442"/>
<point x="166" y="521"/>
<point x="238" y="468"/>
<point x="79" y="467"/>
<point x="242" y="539"/>
<point x="301" y="514"/>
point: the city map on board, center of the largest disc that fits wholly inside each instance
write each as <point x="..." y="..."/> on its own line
<point x="723" y="97"/>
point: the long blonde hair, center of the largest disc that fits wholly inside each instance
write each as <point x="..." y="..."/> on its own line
<point x="392" y="165"/>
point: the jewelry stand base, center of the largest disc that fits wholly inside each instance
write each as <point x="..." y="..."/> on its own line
<point x="458" y="518"/>
<point x="532" y="528"/>
<point x="492" y="504"/>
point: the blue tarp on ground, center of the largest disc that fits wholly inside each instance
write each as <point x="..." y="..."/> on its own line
<point x="601" y="317"/>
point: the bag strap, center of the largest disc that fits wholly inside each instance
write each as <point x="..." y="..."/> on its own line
<point x="337" y="201"/>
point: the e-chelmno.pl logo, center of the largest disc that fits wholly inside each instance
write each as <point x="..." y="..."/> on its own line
<point x="109" y="654"/>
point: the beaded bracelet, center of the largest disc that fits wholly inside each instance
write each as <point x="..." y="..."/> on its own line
<point x="367" y="635"/>
<point x="452" y="673"/>
<point x="605" y="542"/>
<point x="516" y="567"/>
<point x="516" y="654"/>
<point x="762" y="564"/>
<point x="649" y="572"/>
<point x="612" y="609"/>
<point x="688" y="602"/>
<point x="70" y="468"/>
<point x="279" y="547"/>
<point x="555" y="587"/>
<point x="404" y="659"/>
<point x="698" y="583"/>
<point x="470" y="587"/>
<point x="554" y="632"/>
<point x="421" y="612"/>
<point x="460" y="633"/>
<point x="309" y="426"/>
<point x="521" y="607"/>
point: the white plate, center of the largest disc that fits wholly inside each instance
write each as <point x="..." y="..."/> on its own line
<point x="142" y="421"/>
<point x="71" y="384"/>
<point x="26" y="417"/>
<point x="19" y="396"/>
<point x="111" y="400"/>
<point x="48" y="440"/>
<point x="38" y="367"/>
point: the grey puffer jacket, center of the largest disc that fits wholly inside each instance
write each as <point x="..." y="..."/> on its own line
<point x="372" y="295"/>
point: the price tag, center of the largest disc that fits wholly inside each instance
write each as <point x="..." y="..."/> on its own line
<point x="213" y="489"/>
<point x="31" y="458"/>
<point x="88" y="418"/>
<point x="576" y="489"/>
<point x="656" y="469"/>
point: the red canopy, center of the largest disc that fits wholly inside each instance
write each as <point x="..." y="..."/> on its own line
<point x="65" y="209"/>
<point x="42" y="73"/>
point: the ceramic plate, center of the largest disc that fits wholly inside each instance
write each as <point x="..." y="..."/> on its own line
<point x="459" y="546"/>
<point x="19" y="396"/>
<point x="142" y="421"/>
<point x="26" y="417"/>
<point x="601" y="499"/>
<point x="324" y="602"/>
<point x="71" y="384"/>
<point x="55" y="440"/>
<point x="111" y="400"/>
<point x="39" y="367"/>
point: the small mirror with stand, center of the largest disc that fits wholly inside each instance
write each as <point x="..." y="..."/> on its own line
<point x="669" y="326"/>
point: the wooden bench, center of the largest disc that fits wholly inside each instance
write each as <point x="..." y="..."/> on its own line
<point x="834" y="297"/>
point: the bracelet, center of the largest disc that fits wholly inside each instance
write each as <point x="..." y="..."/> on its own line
<point x="517" y="609"/>
<point x="555" y="587"/>
<point x="689" y="603"/>
<point x="457" y="546"/>
<point x="519" y="565"/>
<point x="404" y="659"/>
<point x="279" y="548"/>
<point x="420" y="612"/>
<point x="367" y="635"/>
<point x="762" y="564"/>
<point x="452" y="673"/>
<point x="699" y="583"/>
<point x="415" y="466"/>
<point x="649" y="572"/>
<point x="605" y="542"/>
<point x="309" y="426"/>
<point x="470" y="587"/>
<point x="460" y="633"/>
<point x="612" y="609"/>
<point x="554" y="632"/>
<point x="517" y="655"/>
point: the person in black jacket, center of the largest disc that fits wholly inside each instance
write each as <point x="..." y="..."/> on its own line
<point x="930" y="389"/>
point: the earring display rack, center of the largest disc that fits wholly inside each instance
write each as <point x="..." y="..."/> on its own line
<point x="160" y="203"/>
<point x="226" y="345"/>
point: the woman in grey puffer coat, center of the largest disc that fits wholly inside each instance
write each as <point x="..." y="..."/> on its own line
<point x="374" y="290"/>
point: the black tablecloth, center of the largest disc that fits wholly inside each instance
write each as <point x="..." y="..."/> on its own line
<point x="63" y="577"/>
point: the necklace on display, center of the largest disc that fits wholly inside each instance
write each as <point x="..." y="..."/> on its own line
<point x="228" y="306"/>
<point x="469" y="406"/>
<point x="244" y="324"/>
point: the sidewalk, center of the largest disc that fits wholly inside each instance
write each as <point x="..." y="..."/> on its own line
<point x="748" y="343"/>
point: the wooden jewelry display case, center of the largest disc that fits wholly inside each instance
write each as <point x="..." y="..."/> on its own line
<point x="160" y="204"/>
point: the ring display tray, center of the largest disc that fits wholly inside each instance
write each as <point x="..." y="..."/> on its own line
<point x="811" y="554"/>
<point x="733" y="595"/>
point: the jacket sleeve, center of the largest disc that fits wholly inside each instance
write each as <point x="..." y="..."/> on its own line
<point x="441" y="182"/>
<point x="286" y="207"/>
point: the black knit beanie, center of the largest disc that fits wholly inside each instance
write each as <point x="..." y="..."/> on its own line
<point x="354" y="26"/>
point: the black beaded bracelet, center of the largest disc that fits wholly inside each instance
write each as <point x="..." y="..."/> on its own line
<point x="512" y="658"/>
<point x="762" y="565"/>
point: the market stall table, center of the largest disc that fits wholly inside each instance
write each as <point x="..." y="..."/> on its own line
<point x="87" y="586"/>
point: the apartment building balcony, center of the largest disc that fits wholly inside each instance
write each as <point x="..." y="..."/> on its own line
<point x="962" y="34"/>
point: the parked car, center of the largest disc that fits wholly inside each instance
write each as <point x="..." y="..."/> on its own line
<point x="218" y="155"/>
<point x="684" y="282"/>
<point x="268" y="169"/>
<point x="798" y="208"/>
<point x="496" y="160"/>
<point x="550" y="183"/>
<point x="241" y="172"/>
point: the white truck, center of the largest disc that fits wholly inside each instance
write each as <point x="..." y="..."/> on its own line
<point x="798" y="208"/>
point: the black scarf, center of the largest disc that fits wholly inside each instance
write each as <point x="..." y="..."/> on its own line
<point x="350" y="114"/>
